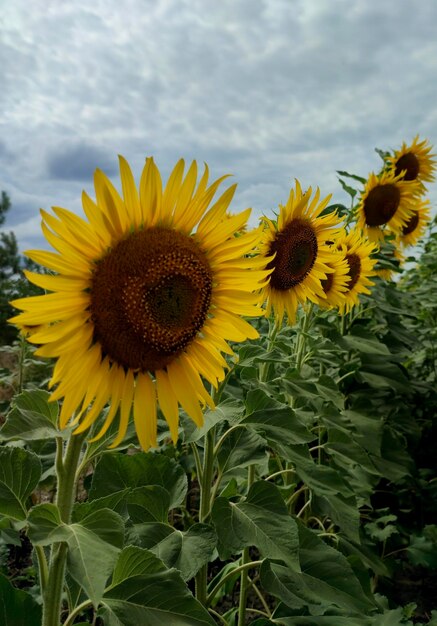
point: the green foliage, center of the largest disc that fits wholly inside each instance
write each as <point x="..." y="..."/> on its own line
<point x="312" y="483"/>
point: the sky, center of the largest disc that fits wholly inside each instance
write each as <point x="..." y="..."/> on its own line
<point x="265" y="90"/>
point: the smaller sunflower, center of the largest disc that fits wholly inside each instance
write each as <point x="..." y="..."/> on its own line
<point x="416" y="226"/>
<point x="296" y="251"/>
<point x="335" y="283"/>
<point x="357" y="251"/>
<point x="386" y="202"/>
<point x="414" y="162"/>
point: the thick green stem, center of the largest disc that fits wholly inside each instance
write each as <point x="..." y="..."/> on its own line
<point x="66" y="468"/>
<point x="231" y="574"/>
<point x="205" y="506"/>
<point x="245" y="559"/>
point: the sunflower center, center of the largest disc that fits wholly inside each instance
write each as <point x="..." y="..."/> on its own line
<point x="381" y="204"/>
<point x="327" y="282"/>
<point x="295" y="248"/>
<point x="411" y="225"/>
<point x="354" y="262"/>
<point x="150" y="296"/>
<point x="410" y="163"/>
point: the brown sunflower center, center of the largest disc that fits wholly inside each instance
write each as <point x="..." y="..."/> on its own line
<point x="150" y="296"/>
<point x="354" y="262"/>
<point x="295" y="248"/>
<point x="410" y="163"/>
<point x="411" y="225"/>
<point x="327" y="282"/>
<point x="381" y="204"/>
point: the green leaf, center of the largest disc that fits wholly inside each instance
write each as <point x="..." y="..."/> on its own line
<point x="20" y="472"/>
<point x="187" y="551"/>
<point x="363" y="340"/>
<point x="93" y="545"/>
<point x="276" y="421"/>
<point x="261" y="520"/>
<point x="343" y="511"/>
<point x="43" y="520"/>
<point x="32" y="417"/>
<point x="17" y="608"/>
<point x="114" y="501"/>
<point x="323" y="480"/>
<point x="116" y="472"/>
<point x="240" y="448"/>
<point x="144" y="591"/>
<point x="150" y="503"/>
<point x="360" y="179"/>
<point x="350" y="190"/>
<point x="229" y="411"/>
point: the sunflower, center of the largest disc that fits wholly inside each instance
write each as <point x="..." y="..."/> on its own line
<point x="415" y="228"/>
<point x="146" y="294"/>
<point x="335" y="283"/>
<point x="357" y="251"/>
<point x="414" y="162"/>
<point x="296" y="251"/>
<point x="385" y="202"/>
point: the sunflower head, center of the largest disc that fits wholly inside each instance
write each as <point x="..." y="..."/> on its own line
<point x="356" y="250"/>
<point x="145" y="295"/>
<point x="413" y="162"/>
<point x="417" y="224"/>
<point x="295" y="250"/>
<point x="385" y="205"/>
<point x="335" y="284"/>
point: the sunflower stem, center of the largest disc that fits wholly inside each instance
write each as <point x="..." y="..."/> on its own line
<point x="244" y="560"/>
<point x="204" y="507"/>
<point x="66" y="466"/>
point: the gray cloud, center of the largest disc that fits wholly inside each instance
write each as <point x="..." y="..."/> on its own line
<point x="78" y="162"/>
<point x="268" y="90"/>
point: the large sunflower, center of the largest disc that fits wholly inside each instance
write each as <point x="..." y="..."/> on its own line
<point x="414" y="162"/>
<point x="416" y="226"/>
<point x="385" y="202"/>
<point x="357" y="251"/>
<point x="142" y="306"/>
<point x="296" y="251"/>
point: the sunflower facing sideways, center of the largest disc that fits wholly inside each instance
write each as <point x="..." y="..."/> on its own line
<point x="335" y="283"/>
<point x="386" y="202"/>
<point x="296" y="251"/>
<point x="356" y="251"/>
<point x="414" y="162"/>
<point x="142" y="306"/>
<point x="416" y="226"/>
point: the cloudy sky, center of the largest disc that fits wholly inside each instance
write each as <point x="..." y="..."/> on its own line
<point x="268" y="90"/>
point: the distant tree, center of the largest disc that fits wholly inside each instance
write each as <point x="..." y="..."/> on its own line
<point x="13" y="283"/>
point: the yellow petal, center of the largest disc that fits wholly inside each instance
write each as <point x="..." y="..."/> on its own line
<point x="145" y="411"/>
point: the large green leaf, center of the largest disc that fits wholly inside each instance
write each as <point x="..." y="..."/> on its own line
<point x="32" y="417"/>
<point x="93" y="545"/>
<point x="150" y="503"/>
<point x="241" y="448"/>
<point x="17" y="608"/>
<point x="261" y="520"/>
<point x="187" y="551"/>
<point x="277" y="422"/>
<point x="20" y="471"/>
<point x="144" y="591"/>
<point x="322" y="479"/>
<point x="116" y="472"/>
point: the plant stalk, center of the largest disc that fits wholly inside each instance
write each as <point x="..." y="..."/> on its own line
<point x="244" y="561"/>
<point x="66" y="468"/>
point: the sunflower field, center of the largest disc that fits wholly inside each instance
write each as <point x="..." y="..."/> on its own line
<point x="205" y="422"/>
